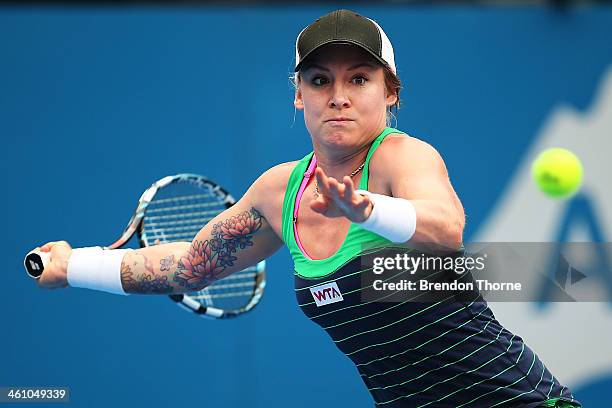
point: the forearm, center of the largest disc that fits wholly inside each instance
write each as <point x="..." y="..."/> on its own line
<point x="439" y="226"/>
<point x="428" y="225"/>
<point x="153" y="270"/>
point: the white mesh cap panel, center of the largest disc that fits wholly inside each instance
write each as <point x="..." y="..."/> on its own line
<point x="297" y="54"/>
<point x="387" y="48"/>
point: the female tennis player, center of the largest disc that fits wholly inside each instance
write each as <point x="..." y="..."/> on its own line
<point x="364" y="183"/>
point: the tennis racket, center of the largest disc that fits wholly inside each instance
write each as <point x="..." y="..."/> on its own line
<point x="174" y="209"/>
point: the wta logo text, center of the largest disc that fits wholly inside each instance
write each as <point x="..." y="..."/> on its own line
<point x="326" y="294"/>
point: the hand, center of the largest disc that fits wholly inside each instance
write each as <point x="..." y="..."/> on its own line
<point x="340" y="199"/>
<point x="55" y="274"/>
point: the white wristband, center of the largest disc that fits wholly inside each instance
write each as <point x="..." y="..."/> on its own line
<point x="96" y="268"/>
<point x="391" y="217"/>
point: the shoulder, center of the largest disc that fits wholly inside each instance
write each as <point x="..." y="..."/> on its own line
<point x="268" y="191"/>
<point x="275" y="178"/>
<point x="403" y="159"/>
<point x="404" y="144"/>
<point x="400" y="150"/>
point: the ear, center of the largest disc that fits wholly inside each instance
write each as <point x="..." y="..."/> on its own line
<point x="391" y="99"/>
<point x="298" y="102"/>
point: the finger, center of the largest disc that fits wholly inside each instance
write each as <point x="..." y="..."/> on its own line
<point x="48" y="246"/>
<point x="349" y="188"/>
<point x="45" y="280"/>
<point x="35" y="250"/>
<point x="336" y="190"/>
<point x="322" y="181"/>
<point x="51" y="246"/>
<point x="50" y="278"/>
<point x="364" y="203"/>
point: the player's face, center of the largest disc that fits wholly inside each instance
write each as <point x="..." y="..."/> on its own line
<point x="343" y="95"/>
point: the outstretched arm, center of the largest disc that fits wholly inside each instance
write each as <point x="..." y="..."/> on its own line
<point x="235" y="239"/>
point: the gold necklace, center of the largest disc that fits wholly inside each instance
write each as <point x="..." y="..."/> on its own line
<point x="357" y="170"/>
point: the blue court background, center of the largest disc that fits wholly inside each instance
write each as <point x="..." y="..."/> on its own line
<point x="97" y="103"/>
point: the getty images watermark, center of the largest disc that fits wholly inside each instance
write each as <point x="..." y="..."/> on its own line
<point x="523" y="272"/>
<point x="438" y="264"/>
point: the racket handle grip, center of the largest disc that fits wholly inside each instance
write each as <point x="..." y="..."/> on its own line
<point x="35" y="263"/>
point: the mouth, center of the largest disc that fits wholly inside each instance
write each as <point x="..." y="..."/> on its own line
<point x="339" y="119"/>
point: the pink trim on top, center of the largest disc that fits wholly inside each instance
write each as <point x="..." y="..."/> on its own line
<point x="296" y="207"/>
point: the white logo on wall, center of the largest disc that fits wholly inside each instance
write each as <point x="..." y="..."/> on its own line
<point x="573" y="339"/>
<point x="326" y="294"/>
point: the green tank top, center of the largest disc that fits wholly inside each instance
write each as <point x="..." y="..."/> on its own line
<point x="357" y="240"/>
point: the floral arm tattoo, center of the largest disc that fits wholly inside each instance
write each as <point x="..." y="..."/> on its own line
<point x="204" y="262"/>
<point x="147" y="281"/>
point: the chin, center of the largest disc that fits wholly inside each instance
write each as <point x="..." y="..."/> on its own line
<point x="338" y="140"/>
<point x="336" y="135"/>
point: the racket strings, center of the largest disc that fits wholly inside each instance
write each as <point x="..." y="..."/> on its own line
<point x="188" y="225"/>
<point x="242" y="275"/>
<point x="180" y="199"/>
<point x="182" y="207"/>
<point x="240" y="279"/>
<point x="171" y="222"/>
<point x="163" y="237"/>
<point x="248" y="293"/>
<point x="190" y="214"/>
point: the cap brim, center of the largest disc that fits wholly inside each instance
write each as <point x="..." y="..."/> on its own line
<point x="346" y="42"/>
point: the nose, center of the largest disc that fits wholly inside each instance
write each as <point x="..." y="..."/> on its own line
<point x="339" y="97"/>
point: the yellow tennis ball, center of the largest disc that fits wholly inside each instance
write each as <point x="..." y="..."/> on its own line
<point x="557" y="172"/>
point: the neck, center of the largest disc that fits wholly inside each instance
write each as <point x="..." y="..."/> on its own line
<point x="338" y="163"/>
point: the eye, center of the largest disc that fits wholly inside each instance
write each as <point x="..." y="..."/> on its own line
<point x="359" y="80"/>
<point x="319" y="80"/>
